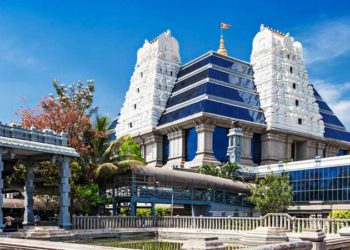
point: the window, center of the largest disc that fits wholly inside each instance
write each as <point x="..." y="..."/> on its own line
<point x="288" y="56"/>
<point x="294" y="85"/>
<point x="138" y="90"/>
<point x="291" y="70"/>
<point x="171" y="73"/>
<point x="190" y="144"/>
<point x="300" y="121"/>
<point x="135" y="106"/>
<point x="297" y="103"/>
<point x="141" y="74"/>
<point x="130" y="124"/>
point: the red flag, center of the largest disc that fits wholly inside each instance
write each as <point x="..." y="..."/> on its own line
<point x="225" y="26"/>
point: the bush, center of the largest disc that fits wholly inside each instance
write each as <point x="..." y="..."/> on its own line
<point x="160" y="211"/>
<point x="339" y="214"/>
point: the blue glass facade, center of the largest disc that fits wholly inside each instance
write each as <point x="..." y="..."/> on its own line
<point x="218" y="91"/>
<point x="333" y="127"/>
<point x="227" y="89"/>
<point x="217" y="60"/>
<point x="214" y="108"/>
<point x="321" y="184"/>
<point x="165" y="149"/>
<point x="220" y="143"/>
<point x="190" y="144"/>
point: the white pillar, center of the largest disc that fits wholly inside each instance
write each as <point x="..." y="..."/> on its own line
<point x="65" y="174"/>
<point x="176" y="148"/>
<point x="154" y="150"/>
<point x="1" y="187"/>
<point x="28" y="217"/>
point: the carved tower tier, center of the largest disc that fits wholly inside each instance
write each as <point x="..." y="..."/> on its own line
<point x="286" y="94"/>
<point x="158" y="63"/>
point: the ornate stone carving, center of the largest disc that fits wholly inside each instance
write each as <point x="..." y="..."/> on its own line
<point x="158" y="63"/>
<point x="282" y="82"/>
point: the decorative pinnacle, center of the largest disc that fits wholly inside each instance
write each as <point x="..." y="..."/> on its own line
<point x="222" y="49"/>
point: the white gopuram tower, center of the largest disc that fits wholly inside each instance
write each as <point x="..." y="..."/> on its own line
<point x="281" y="79"/>
<point x="158" y="63"/>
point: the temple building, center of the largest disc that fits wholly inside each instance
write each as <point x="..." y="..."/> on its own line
<point x="181" y="113"/>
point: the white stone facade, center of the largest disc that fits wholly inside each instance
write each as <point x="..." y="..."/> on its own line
<point x="157" y="66"/>
<point x="286" y="95"/>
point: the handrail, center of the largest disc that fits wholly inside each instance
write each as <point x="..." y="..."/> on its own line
<point x="276" y="220"/>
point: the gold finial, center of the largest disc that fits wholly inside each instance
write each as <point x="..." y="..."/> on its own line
<point x="222" y="49"/>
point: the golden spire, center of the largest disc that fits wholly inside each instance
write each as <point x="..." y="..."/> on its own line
<point x="222" y="49"/>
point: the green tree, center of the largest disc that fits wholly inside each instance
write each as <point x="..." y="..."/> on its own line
<point x="272" y="193"/>
<point x="120" y="156"/>
<point x="227" y="170"/>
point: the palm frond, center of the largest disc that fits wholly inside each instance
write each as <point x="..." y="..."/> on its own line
<point x="126" y="165"/>
<point x="106" y="170"/>
<point x="114" y="145"/>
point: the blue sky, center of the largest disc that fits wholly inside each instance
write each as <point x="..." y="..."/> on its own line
<point x="81" y="40"/>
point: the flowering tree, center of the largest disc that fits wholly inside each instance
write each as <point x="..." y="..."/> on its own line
<point x="68" y="112"/>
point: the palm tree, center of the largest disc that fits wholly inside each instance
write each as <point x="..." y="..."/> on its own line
<point x="119" y="157"/>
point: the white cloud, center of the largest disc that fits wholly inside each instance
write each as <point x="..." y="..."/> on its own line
<point x="336" y="96"/>
<point x="326" y="41"/>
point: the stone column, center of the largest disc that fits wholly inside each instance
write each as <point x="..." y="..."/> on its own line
<point x="272" y="148"/>
<point x="154" y="150"/>
<point x="1" y="187"/>
<point x="205" y="153"/>
<point x="288" y="154"/>
<point x="176" y="148"/>
<point x="65" y="174"/>
<point x="246" y="157"/>
<point x="28" y="217"/>
<point x="311" y="150"/>
<point x="320" y="149"/>
<point x="331" y="150"/>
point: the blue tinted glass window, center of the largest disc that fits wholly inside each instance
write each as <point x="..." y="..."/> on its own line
<point x="322" y="105"/>
<point x="215" y="90"/>
<point x="190" y="80"/>
<point x="331" y="119"/>
<point x="336" y="134"/>
<point x="332" y="185"/>
<point x="214" y="108"/>
<point x="235" y="66"/>
<point x="165" y="149"/>
<point x="220" y="143"/>
<point x="233" y="79"/>
<point x="191" y="143"/>
<point x="193" y="67"/>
